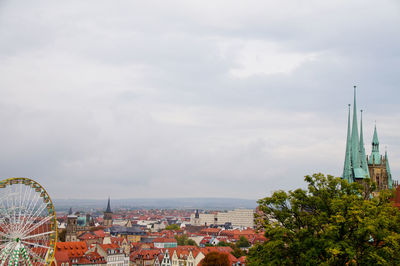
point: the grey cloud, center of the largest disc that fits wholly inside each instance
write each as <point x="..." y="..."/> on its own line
<point x="140" y="96"/>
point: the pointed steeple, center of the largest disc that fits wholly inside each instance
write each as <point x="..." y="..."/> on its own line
<point x="363" y="156"/>
<point x="389" y="173"/>
<point x="355" y="143"/>
<point x="70" y="211"/>
<point x="375" y="156"/>
<point x="108" y="210"/>
<point x="347" y="173"/>
<point x="375" y="140"/>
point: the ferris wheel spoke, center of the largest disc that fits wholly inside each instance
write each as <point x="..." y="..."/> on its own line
<point x="32" y="212"/>
<point x="35" y="244"/>
<point x="6" y="252"/>
<point x="37" y="235"/>
<point x="35" y="256"/>
<point x="37" y="225"/>
<point x="6" y="216"/>
<point x="5" y="235"/>
<point x="11" y="209"/>
<point x="38" y="211"/>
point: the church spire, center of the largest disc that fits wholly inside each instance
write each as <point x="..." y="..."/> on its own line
<point x="375" y="157"/>
<point x="347" y="173"/>
<point x="363" y="156"/>
<point x="108" y="210"/>
<point x="375" y="140"/>
<point x="355" y="143"/>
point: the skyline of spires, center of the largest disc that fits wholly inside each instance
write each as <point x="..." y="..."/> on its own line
<point x="357" y="164"/>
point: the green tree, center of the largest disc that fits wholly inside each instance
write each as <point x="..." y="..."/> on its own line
<point x="331" y="223"/>
<point x="191" y="242"/>
<point x="172" y="227"/>
<point x="222" y="244"/>
<point x="181" y="240"/>
<point x="237" y="252"/>
<point x="243" y="242"/>
<point x="215" y="259"/>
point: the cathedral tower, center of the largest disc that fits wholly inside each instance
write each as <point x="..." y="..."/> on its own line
<point x="378" y="166"/>
<point x="356" y="164"/>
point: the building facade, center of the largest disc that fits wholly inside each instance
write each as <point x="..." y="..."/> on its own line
<point x="237" y="218"/>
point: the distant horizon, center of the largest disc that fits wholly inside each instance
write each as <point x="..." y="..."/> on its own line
<point x="170" y="203"/>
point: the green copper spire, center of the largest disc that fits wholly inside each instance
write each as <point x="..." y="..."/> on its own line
<point x="389" y="173"/>
<point x="363" y="156"/>
<point x="375" y="138"/>
<point x="347" y="173"/>
<point x="375" y="156"/>
<point x="358" y="172"/>
<point x="355" y="144"/>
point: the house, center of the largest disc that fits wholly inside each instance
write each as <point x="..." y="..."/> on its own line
<point x="165" y="242"/>
<point x="113" y="254"/>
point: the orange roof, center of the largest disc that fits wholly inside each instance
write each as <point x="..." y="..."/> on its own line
<point x="61" y="256"/>
<point x="112" y="246"/>
<point x="164" y="240"/>
<point x="206" y="250"/>
<point x="100" y="233"/>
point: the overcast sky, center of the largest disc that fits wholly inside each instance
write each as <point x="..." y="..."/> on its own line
<point x="145" y="99"/>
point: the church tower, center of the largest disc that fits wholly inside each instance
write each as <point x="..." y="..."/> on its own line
<point x="71" y="228"/>
<point x="356" y="164"/>
<point x="378" y="166"/>
<point x="108" y="215"/>
<point x="197" y="218"/>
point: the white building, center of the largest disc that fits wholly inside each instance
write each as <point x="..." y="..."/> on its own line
<point x="238" y="218"/>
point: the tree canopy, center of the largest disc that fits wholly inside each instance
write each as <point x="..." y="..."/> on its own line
<point x="215" y="259"/>
<point x="243" y="242"/>
<point x="331" y="223"/>
<point x="172" y="227"/>
<point x="183" y="240"/>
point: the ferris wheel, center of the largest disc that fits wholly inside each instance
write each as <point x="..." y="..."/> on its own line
<point x="28" y="224"/>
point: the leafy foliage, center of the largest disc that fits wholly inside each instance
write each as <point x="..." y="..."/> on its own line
<point x="183" y="240"/>
<point x="243" y="242"/>
<point x="331" y="223"/>
<point x="172" y="227"/>
<point x="215" y="259"/>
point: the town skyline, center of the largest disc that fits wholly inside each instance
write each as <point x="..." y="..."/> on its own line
<point x="229" y="99"/>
